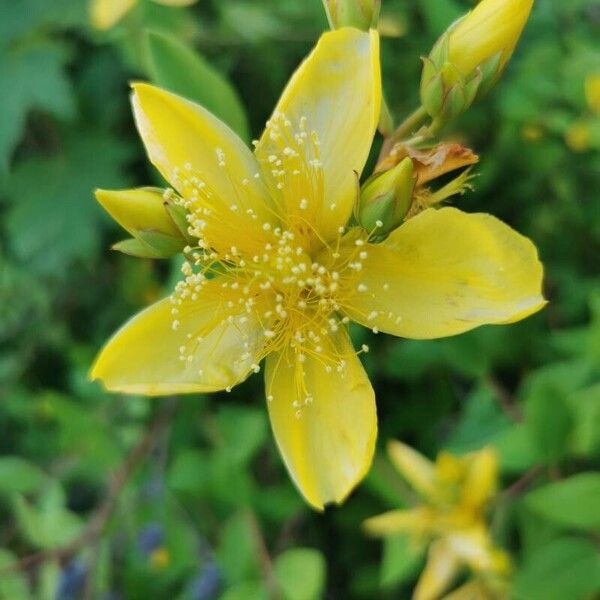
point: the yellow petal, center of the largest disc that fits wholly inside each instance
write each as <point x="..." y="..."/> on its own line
<point x="472" y="590"/>
<point x="414" y="520"/>
<point x="492" y="26"/>
<point x="418" y="470"/>
<point x="473" y="547"/>
<point x="138" y="209"/>
<point x="106" y="13"/>
<point x="322" y="130"/>
<point x="481" y="479"/>
<point x="209" y="165"/>
<point x="325" y="423"/>
<point x="176" y="2"/>
<point x="444" y="272"/>
<point x="195" y="350"/>
<point x="439" y="572"/>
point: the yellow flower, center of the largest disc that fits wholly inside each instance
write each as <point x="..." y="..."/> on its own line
<point x="106" y="13"/>
<point x="578" y="136"/>
<point x="277" y="273"/>
<point x="492" y="27"/>
<point x="455" y="492"/>
<point x="592" y="92"/>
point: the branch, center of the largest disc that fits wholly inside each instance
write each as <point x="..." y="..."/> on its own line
<point x="118" y="481"/>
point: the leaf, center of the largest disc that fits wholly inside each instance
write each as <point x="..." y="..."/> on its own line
<point x="565" y="568"/>
<point x="243" y="591"/>
<point x="236" y="552"/>
<point x="48" y="524"/>
<point x="189" y="472"/>
<point x="549" y="419"/>
<point x="54" y="219"/>
<point x="18" y="475"/>
<point x="400" y="561"/>
<point x="33" y="77"/>
<point x="244" y="431"/>
<point x="300" y="573"/>
<point x="586" y="409"/>
<point x="573" y="502"/>
<point x="178" y="68"/>
<point x="13" y="585"/>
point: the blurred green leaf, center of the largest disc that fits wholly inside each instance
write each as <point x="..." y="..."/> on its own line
<point x="237" y="553"/>
<point x="180" y="69"/>
<point x="18" y="475"/>
<point x="300" y="573"/>
<point x="550" y="420"/>
<point x="572" y="502"/>
<point x="53" y="219"/>
<point x="33" y="77"/>
<point x="244" y="591"/>
<point x="47" y="524"/>
<point x="401" y="560"/>
<point x="244" y="431"/>
<point x="13" y="584"/>
<point x="565" y="568"/>
<point x="585" y="405"/>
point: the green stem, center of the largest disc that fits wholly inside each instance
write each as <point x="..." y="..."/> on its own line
<point x="410" y="124"/>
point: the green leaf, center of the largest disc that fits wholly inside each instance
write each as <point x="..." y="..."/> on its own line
<point x="135" y="247"/>
<point x="243" y="591"/>
<point x="53" y="218"/>
<point x="565" y="568"/>
<point x="18" y="475"/>
<point x="244" y="431"/>
<point x="236" y="552"/>
<point x="13" y="585"/>
<point x="300" y="573"/>
<point x="549" y="419"/>
<point x="178" y="68"/>
<point x="586" y="409"/>
<point x="48" y="524"/>
<point x="400" y="561"/>
<point x="573" y="502"/>
<point x="33" y="77"/>
<point x="189" y="472"/>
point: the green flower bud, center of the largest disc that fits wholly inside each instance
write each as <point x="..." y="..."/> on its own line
<point x="386" y="198"/>
<point x="468" y="59"/>
<point x="155" y="223"/>
<point x="362" y="14"/>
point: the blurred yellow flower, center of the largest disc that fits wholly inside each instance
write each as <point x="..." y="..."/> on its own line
<point x="578" y="137"/>
<point x="106" y="13"/>
<point x="455" y="492"/>
<point x="277" y="273"/>
<point x="160" y="559"/>
<point x="592" y="92"/>
<point x="493" y="27"/>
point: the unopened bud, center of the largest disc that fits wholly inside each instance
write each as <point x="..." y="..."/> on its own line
<point x="362" y="14"/>
<point x="142" y="212"/>
<point x="492" y="28"/>
<point x="470" y="56"/>
<point x="385" y="198"/>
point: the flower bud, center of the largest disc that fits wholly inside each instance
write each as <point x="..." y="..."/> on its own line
<point x="148" y="217"/>
<point x="470" y="56"/>
<point x="362" y="14"/>
<point x="592" y="92"/>
<point x="385" y="198"/>
<point x="492" y="28"/>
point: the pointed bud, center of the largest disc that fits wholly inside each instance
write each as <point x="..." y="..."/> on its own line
<point x="385" y="198"/>
<point x="362" y="14"/>
<point x="492" y="28"/>
<point x="142" y="212"/>
<point x="470" y="56"/>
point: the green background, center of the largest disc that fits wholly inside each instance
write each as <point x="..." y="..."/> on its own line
<point x="209" y="511"/>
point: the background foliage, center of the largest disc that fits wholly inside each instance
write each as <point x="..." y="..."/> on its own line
<point x="210" y="511"/>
